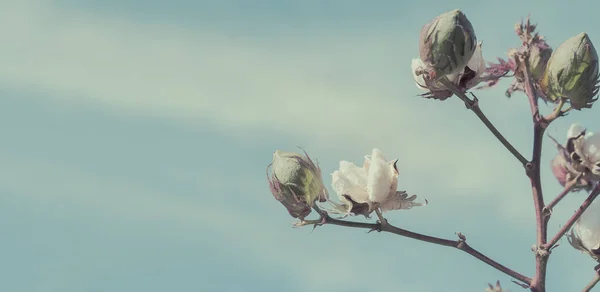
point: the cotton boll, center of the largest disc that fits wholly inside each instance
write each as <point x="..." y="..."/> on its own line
<point x="575" y="130"/>
<point x="379" y="178"/>
<point x="362" y="190"/>
<point x="587" y="227"/>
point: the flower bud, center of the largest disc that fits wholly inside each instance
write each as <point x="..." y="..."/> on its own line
<point x="572" y="73"/>
<point x="296" y="182"/>
<point x="446" y="44"/>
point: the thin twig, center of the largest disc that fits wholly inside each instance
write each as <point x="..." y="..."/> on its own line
<point x="460" y="244"/>
<point x="593" y="283"/>
<point x="382" y="220"/>
<point x="477" y="110"/>
<point x="473" y="105"/>
<point x="557" y="113"/>
<point x="568" y="187"/>
<point x="588" y="201"/>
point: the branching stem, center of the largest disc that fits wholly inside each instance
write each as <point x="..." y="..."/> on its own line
<point x="565" y="228"/>
<point x="567" y="189"/>
<point x="460" y="244"/>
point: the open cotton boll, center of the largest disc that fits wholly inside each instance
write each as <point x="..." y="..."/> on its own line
<point x="356" y="175"/>
<point x="575" y="130"/>
<point x="591" y="147"/>
<point x="380" y="178"/>
<point x="361" y="190"/>
<point x="588" y="227"/>
<point x="579" y="156"/>
<point x="350" y="180"/>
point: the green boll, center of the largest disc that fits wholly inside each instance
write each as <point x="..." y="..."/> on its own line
<point x="446" y="44"/>
<point x="572" y="73"/>
<point x="296" y="182"/>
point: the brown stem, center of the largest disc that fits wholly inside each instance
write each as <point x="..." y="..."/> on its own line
<point x="477" y="110"/>
<point x="460" y="244"/>
<point x="533" y="171"/>
<point x="568" y="187"/>
<point x="538" y="283"/>
<point x="588" y="201"/>
<point x="558" y="112"/>
<point x="473" y="105"/>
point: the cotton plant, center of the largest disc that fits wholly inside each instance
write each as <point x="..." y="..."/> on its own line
<point x="450" y="63"/>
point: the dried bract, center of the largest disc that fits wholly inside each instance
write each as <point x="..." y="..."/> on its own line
<point x="495" y="288"/>
<point x="534" y="49"/>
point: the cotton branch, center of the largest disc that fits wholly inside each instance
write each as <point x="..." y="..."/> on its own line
<point x="568" y="187"/>
<point x="384" y="226"/>
<point x="535" y="73"/>
<point x="588" y="201"/>
<point x="473" y="105"/>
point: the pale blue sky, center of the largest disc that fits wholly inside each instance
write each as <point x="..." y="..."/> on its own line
<point x="135" y="136"/>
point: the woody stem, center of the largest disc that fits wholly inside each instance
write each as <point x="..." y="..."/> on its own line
<point x="473" y="105"/>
